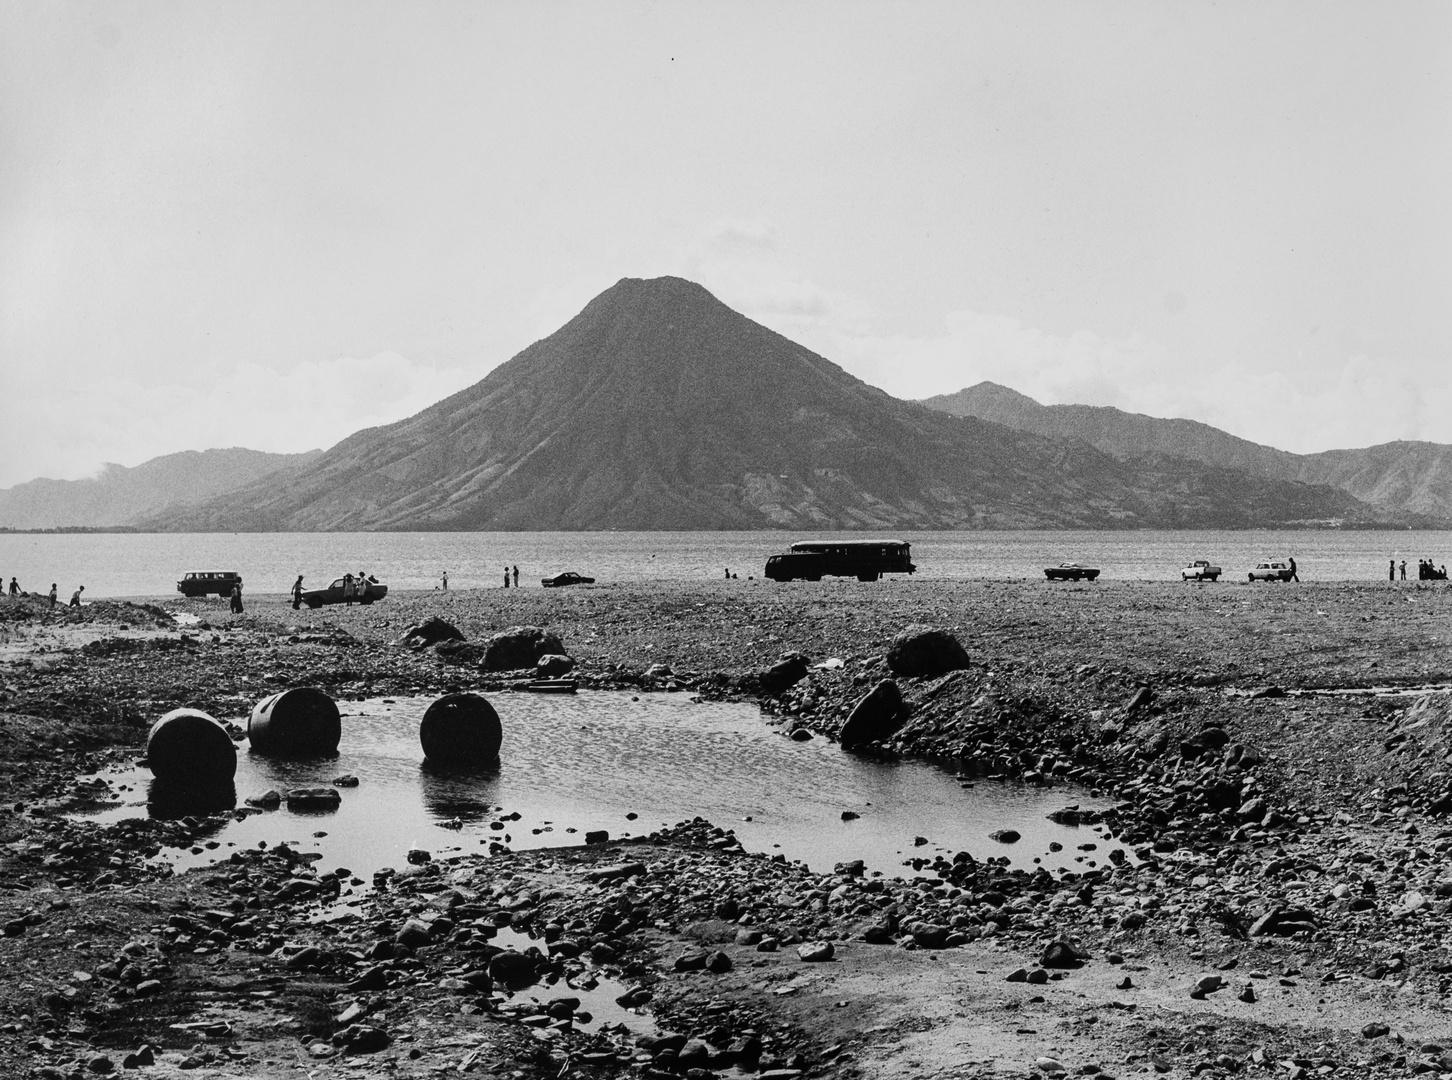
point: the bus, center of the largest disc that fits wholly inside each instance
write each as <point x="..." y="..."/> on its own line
<point x="866" y="560"/>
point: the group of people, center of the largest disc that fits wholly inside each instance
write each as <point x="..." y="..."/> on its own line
<point x="1427" y="570"/>
<point x="16" y="592"/>
<point x="511" y="577"/>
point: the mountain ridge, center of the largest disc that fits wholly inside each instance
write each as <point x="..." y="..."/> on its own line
<point x="1398" y="477"/>
<point x="659" y="407"/>
<point x="123" y="496"/>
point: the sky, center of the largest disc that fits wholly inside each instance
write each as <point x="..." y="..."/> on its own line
<point x="271" y="224"/>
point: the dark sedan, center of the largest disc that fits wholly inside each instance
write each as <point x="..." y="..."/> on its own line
<point x="1071" y="571"/>
<point x="569" y="577"/>
<point x="346" y="591"/>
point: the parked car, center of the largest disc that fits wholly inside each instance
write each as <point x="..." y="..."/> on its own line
<point x="345" y="591"/>
<point x="1071" y="571"/>
<point x="569" y="577"/>
<point x="1271" y="571"/>
<point x="202" y="582"/>
<point x="1200" y="570"/>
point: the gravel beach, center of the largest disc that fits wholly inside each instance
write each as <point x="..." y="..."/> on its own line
<point x="1274" y="756"/>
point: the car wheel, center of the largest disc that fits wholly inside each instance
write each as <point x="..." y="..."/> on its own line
<point x="1249" y="577"/>
<point x="1214" y="577"/>
<point x="314" y="604"/>
<point x="366" y="600"/>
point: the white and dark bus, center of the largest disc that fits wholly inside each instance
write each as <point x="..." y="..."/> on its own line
<point x="866" y="560"/>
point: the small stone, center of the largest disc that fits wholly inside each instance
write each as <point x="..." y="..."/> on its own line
<point x="1017" y="975"/>
<point x="1006" y="836"/>
<point x="814" y="952"/>
<point x="1247" y="994"/>
<point x="1375" y="1030"/>
<point x="1037" y="977"/>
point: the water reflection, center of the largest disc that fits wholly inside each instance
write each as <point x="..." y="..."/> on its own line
<point x="169" y="800"/>
<point x="628" y="764"/>
<point x="465" y="795"/>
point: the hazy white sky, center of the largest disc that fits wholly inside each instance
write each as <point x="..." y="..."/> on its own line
<point x="270" y="224"/>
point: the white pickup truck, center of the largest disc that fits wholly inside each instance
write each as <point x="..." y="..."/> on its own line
<point x="1200" y="570"/>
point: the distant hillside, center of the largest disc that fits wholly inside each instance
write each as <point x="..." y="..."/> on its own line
<point x="122" y="496"/>
<point x="658" y="407"/>
<point x="1399" y="477"/>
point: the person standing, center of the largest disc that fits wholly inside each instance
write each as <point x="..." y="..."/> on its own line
<point x="1391" y="571"/>
<point x="14" y="589"/>
<point x="1292" y="564"/>
<point x="297" y="593"/>
<point x="348" y="590"/>
<point x="52" y="594"/>
<point x="506" y="577"/>
<point x="446" y="581"/>
<point x="76" y="596"/>
<point x="1404" y="569"/>
<point x="237" y="598"/>
<point x="516" y="577"/>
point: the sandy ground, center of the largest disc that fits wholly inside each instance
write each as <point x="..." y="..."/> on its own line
<point x="1319" y="805"/>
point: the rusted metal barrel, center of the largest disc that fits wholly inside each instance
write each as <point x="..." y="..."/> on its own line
<point x="302" y="722"/>
<point x="460" y="730"/>
<point x="190" y="748"/>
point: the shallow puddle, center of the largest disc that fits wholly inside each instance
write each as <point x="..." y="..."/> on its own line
<point x="628" y="764"/>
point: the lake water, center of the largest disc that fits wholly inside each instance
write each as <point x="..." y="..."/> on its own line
<point x="575" y="763"/>
<point x="127" y="564"/>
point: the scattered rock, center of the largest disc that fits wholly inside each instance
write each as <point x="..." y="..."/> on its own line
<point x="429" y="632"/>
<point x="875" y="716"/>
<point x="816" y="952"/>
<point x="925" y="652"/>
<point x="519" y="647"/>
<point x="784" y="674"/>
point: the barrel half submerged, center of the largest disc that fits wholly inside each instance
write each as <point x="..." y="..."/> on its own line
<point x="460" y="731"/>
<point x="302" y="722"/>
<point x="188" y="747"/>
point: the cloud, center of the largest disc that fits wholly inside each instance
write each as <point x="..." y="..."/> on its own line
<point x="753" y="234"/>
<point x="1357" y="399"/>
<point x="314" y="404"/>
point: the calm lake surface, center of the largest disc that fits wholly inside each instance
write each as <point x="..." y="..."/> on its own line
<point x="575" y="763"/>
<point x="127" y="564"/>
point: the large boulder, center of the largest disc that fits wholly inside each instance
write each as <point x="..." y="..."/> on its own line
<point x="519" y="647"/>
<point x="926" y="652"/>
<point x="875" y="717"/>
<point x="430" y="632"/>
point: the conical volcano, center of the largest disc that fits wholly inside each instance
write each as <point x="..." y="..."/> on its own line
<point x="659" y="407"/>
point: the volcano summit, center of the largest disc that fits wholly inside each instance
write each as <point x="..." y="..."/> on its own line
<point x="658" y="407"/>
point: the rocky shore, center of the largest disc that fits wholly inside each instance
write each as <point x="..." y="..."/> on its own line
<point x="1284" y="907"/>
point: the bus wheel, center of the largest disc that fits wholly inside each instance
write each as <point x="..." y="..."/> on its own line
<point x="866" y="577"/>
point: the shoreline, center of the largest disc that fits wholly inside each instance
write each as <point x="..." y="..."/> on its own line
<point x="1295" y="844"/>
